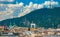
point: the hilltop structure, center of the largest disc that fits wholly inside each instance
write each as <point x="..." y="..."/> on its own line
<point x="33" y="25"/>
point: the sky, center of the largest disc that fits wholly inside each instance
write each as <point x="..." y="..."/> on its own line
<point x="24" y="1"/>
<point x="18" y="8"/>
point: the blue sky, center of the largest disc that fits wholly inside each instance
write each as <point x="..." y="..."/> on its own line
<point x="27" y="1"/>
<point x="9" y="8"/>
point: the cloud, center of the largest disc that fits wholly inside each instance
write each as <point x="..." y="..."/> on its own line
<point x="40" y="6"/>
<point x="10" y="10"/>
<point x="31" y="7"/>
<point x="6" y="13"/>
<point x="48" y="3"/>
<point x="21" y="3"/>
<point x="17" y="10"/>
<point x="28" y="8"/>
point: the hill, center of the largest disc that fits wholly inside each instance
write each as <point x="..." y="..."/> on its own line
<point x="48" y="18"/>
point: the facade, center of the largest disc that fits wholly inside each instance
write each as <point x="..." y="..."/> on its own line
<point x="33" y="25"/>
<point x="2" y="28"/>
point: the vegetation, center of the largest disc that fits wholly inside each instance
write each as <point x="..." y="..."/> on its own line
<point x="47" y="18"/>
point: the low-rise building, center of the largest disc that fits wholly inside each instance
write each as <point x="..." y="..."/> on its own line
<point x="2" y="28"/>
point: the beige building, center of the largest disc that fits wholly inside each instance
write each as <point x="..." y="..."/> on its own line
<point x="2" y="28"/>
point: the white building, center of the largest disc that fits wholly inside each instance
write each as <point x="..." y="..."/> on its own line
<point x="33" y="25"/>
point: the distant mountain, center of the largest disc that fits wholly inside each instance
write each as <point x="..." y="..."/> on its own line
<point x="48" y="18"/>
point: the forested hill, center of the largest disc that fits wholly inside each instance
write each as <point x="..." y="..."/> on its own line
<point x="48" y="18"/>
